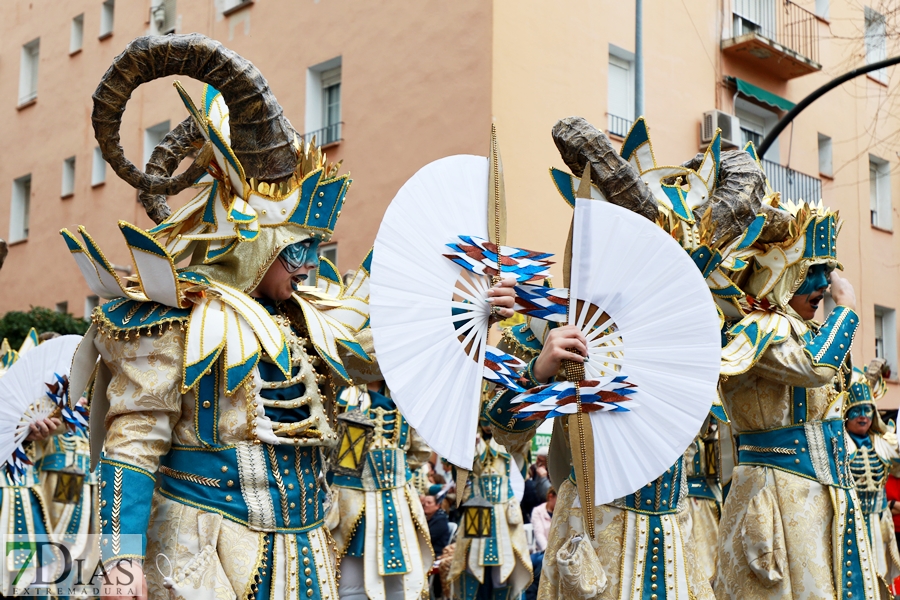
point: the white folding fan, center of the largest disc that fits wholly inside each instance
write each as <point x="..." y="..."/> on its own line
<point x="26" y="396"/>
<point x="432" y="267"/>
<point x="653" y="346"/>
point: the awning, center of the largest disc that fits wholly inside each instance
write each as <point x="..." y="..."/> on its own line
<point x="759" y="94"/>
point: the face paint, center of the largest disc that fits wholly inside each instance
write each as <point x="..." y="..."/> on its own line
<point x="301" y="254"/>
<point x="863" y="410"/>
<point x="816" y="279"/>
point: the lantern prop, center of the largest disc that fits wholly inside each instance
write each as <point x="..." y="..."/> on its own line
<point x="69" y="485"/>
<point x="477" y="517"/>
<point x="355" y="432"/>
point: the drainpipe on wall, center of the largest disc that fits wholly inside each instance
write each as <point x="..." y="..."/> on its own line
<point x="638" y="58"/>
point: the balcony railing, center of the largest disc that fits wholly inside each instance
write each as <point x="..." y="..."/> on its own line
<point x="775" y="29"/>
<point x="619" y="126"/>
<point x="792" y="184"/>
<point x="330" y="134"/>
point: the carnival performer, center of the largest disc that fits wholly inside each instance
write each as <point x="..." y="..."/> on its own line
<point x="210" y="386"/>
<point x="376" y="519"/>
<point x="874" y="457"/>
<point x="790" y="525"/>
<point x="23" y="503"/>
<point x="704" y="499"/>
<point x="641" y="546"/>
<point x="497" y="566"/>
<point x="214" y="395"/>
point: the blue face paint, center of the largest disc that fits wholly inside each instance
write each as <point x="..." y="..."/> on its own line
<point x="816" y="279"/>
<point x="863" y="410"/>
<point x="301" y="254"/>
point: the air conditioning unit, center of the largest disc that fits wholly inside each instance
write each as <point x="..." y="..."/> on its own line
<point x="729" y="124"/>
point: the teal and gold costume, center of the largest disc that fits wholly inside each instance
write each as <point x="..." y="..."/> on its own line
<point x="702" y="462"/>
<point x="500" y="562"/>
<point x="213" y="408"/>
<point x="875" y="457"/>
<point x="22" y="502"/>
<point x="43" y="504"/>
<point x="643" y="544"/>
<point x="377" y="518"/>
<point x="791" y="519"/>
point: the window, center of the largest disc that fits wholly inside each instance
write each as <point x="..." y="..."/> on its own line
<point x="880" y="192"/>
<point x="20" y="209"/>
<point x="152" y="137"/>
<point x="754" y="16"/>
<point x="331" y="106"/>
<point x="826" y="166"/>
<point x="886" y="335"/>
<point x="68" y="177"/>
<point x="329" y="251"/>
<point x="163" y="15"/>
<point x="90" y="303"/>
<point x="876" y="42"/>
<point x="756" y="122"/>
<point x="28" y="71"/>
<point x="76" y="38"/>
<point x="107" y="18"/>
<point x="620" y="91"/>
<point x="323" y="102"/>
<point x="98" y="168"/>
<point x="822" y="8"/>
<point x="62" y="307"/>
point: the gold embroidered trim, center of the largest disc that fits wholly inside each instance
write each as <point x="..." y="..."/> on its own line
<point x="767" y="450"/>
<point x="117" y="511"/>
<point x="299" y="467"/>
<point x="834" y="331"/>
<point x="282" y="491"/>
<point x="190" y="477"/>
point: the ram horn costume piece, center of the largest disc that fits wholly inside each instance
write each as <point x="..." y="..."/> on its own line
<point x="262" y="138"/>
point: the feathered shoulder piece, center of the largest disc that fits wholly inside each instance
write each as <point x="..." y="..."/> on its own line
<point x="220" y="320"/>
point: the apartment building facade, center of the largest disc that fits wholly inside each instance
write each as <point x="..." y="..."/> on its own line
<point x="392" y="86"/>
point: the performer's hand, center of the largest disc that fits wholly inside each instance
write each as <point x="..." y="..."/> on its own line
<point x="842" y="292"/>
<point x="41" y="430"/>
<point x="557" y="348"/>
<point x="125" y="581"/>
<point x="503" y="297"/>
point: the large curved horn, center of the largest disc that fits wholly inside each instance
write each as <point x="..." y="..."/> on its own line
<point x="580" y="143"/>
<point x="737" y="199"/>
<point x="166" y="157"/>
<point x="261" y="136"/>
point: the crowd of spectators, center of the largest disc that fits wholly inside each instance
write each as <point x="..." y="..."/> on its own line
<point x="439" y="505"/>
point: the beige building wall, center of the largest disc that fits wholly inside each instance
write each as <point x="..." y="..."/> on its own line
<point x="424" y="79"/>
<point x="415" y="87"/>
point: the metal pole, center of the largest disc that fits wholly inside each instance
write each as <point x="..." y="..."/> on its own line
<point x="786" y="119"/>
<point x="638" y="58"/>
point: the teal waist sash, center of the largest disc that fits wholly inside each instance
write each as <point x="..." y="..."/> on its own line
<point x="814" y="450"/>
<point x="266" y="488"/>
<point x="698" y="487"/>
